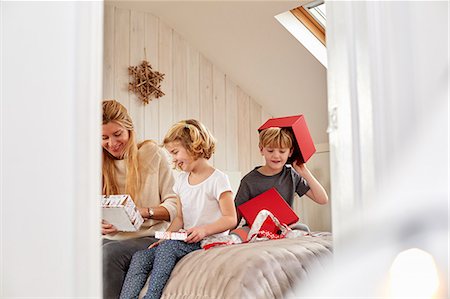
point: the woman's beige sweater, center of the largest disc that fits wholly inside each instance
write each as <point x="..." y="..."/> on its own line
<point x="156" y="189"/>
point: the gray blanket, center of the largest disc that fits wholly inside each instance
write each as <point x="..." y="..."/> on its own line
<point x="267" y="269"/>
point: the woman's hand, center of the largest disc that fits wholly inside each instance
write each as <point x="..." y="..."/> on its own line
<point x="144" y="213"/>
<point x="195" y="234"/>
<point x="154" y="213"/>
<point x="108" y="228"/>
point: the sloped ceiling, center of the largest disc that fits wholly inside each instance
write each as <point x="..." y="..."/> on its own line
<point x="247" y="43"/>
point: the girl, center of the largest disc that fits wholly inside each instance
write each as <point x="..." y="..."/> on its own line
<point x="205" y="207"/>
<point x="142" y="171"/>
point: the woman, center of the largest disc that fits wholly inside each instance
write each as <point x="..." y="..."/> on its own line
<point x="142" y="171"/>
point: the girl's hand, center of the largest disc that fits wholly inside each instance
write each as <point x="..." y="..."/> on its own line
<point x="155" y="244"/>
<point x="108" y="228"/>
<point x="195" y="234"/>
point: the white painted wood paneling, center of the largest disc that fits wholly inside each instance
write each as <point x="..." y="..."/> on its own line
<point x="165" y="67"/>
<point x="137" y="55"/>
<point x="180" y="54"/>
<point x="265" y="116"/>
<point x="151" y="111"/>
<point x="232" y="146"/>
<point x="108" y="53"/>
<point x="244" y="143"/>
<point x="206" y="95"/>
<point x="318" y="217"/>
<point x="255" y="123"/>
<point x="219" y="118"/>
<point x="193" y="86"/>
<point x="122" y="55"/>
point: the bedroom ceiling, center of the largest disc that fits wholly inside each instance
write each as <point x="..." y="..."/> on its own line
<point x="255" y="50"/>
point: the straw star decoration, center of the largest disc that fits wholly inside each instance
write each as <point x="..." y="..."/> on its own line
<point x="146" y="82"/>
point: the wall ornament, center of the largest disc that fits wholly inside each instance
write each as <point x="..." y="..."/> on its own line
<point x="145" y="82"/>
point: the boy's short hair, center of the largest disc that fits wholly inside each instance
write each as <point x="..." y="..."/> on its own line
<point x="276" y="138"/>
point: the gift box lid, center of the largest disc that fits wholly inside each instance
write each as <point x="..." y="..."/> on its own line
<point x="303" y="144"/>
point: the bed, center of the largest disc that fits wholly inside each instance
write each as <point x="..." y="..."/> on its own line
<point x="266" y="269"/>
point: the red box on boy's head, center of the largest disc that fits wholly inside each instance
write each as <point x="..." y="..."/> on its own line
<point x="303" y="144"/>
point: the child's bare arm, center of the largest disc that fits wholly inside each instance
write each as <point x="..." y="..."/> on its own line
<point x="174" y="226"/>
<point x="226" y="222"/>
<point x="177" y="223"/>
<point x="316" y="192"/>
<point x="242" y="196"/>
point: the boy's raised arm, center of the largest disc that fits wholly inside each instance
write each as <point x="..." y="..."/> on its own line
<point x="316" y="191"/>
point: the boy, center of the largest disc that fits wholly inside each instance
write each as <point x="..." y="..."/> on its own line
<point x="276" y="145"/>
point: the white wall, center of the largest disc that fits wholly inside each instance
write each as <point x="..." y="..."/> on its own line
<point x="50" y="86"/>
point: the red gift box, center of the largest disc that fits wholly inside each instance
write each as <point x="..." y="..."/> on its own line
<point x="273" y="202"/>
<point x="303" y="144"/>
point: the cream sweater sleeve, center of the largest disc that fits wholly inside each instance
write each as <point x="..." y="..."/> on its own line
<point x="166" y="181"/>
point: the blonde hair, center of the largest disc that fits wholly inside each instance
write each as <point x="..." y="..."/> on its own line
<point x="276" y="138"/>
<point x="115" y="112"/>
<point x="194" y="137"/>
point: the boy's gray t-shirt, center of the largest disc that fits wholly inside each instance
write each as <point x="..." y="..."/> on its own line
<point x="286" y="182"/>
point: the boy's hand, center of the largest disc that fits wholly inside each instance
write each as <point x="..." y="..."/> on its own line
<point x="108" y="228"/>
<point x="316" y="191"/>
<point x="195" y="234"/>
<point x="300" y="167"/>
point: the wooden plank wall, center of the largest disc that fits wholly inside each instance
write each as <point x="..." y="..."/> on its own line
<point x="193" y="87"/>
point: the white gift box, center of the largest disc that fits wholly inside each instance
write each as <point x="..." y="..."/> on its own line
<point x="171" y="235"/>
<point x="120" y="211"/>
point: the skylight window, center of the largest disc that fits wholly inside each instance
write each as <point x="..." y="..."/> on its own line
<point x="307" y="24"/>
<point x="318" y="10"/>
<point x="313" y="17"/>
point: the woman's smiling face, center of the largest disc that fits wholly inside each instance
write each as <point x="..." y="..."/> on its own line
<point x="114" y="139"/>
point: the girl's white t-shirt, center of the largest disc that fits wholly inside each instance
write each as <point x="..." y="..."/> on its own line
<point x="200" y="203"/>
